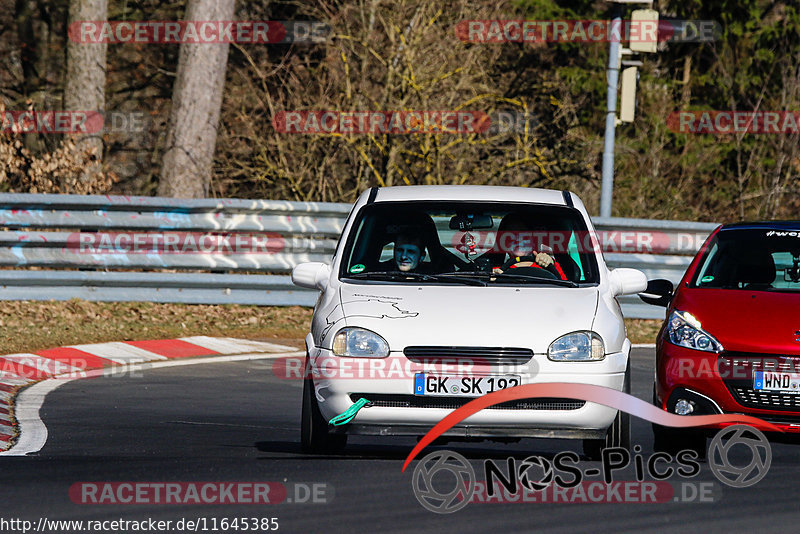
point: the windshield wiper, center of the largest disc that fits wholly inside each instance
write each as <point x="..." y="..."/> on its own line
<point x="513" y="276"/>
<point x="398" y="275"/>
<point x="389" y="275"/>
<point x="535" y="279"/>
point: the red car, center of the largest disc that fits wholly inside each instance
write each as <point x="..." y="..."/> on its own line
<point x="731" y="340"/>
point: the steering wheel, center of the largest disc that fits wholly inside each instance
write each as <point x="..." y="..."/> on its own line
<point x="535" y="269"/>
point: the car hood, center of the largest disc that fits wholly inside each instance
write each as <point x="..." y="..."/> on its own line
<point x="746" y="321"/>
<point x="469" y="316"/>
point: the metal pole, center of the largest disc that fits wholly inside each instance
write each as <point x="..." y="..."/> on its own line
<point x="607" y="191"/>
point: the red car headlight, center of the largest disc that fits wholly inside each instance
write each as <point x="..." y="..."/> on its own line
<point x="684" y="330"/>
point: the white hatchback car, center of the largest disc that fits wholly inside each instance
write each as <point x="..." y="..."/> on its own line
<point x="440" y="294"/>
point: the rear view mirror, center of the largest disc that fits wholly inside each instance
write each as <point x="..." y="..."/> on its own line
<point x="658" y="292"/>
<point x="471" y="221"/>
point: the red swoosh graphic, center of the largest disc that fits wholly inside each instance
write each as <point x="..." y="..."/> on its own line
<point x="590" y="393"/>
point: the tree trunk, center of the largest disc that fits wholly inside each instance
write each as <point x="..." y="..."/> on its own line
<point x="85" y="88"/>
<point x="196" y="103"/>
<point x="33" y="30"/>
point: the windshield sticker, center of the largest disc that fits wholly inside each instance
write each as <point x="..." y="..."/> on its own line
<point x="707" y="279"/>
<point x="357" y="268"/>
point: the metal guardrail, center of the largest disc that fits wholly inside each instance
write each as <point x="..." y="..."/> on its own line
<point x="206" y="251"/>
<point x="674" y="244"/>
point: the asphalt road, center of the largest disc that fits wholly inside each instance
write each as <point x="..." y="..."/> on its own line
<point x="236" y="422"/>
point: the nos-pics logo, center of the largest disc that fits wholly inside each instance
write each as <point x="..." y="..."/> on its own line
<point x="444" y="481"/>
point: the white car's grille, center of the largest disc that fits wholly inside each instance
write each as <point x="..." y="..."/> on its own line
<point x="476" y="355"/>
<point x="450" y="403"/>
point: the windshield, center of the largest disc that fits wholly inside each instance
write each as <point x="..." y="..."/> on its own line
<point x="469" y="242"/>
<point x="766" y="259"/>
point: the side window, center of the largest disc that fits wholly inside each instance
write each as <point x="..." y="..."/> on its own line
<point x="387" y="253"/>
<point x="342" y="237"/>
<point x="574" y="253"/>
<point x="444" y="234"/>
<point x="704" y="275"/>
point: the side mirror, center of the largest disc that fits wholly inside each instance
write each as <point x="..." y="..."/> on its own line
<point x="627" y="281"/>
<point x="658" y="292"/>
<point x="311" y="275"/>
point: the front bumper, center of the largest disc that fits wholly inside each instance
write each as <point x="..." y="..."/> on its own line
<point x="723" y="380"/>
<point x="337" y="379"/>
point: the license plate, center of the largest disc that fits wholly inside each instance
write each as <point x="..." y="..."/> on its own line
<point x="461" y="386"/>
<point x="771" y="381"/>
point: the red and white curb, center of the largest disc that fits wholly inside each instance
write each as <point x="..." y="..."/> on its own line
<point x="20" y="370"/>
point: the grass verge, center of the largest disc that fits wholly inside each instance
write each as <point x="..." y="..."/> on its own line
<point x="31" y="326"/>
<point x="643" y="330"/>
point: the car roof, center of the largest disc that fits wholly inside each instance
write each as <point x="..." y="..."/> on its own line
<point x="472" y="192"/>
<point x="762" y="225"/>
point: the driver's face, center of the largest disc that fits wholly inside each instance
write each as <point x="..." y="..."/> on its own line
<point x="407" y="256"/>
<point x="517" y="242"/>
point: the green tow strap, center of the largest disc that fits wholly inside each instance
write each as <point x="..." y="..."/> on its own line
<point x="350" y="413"/>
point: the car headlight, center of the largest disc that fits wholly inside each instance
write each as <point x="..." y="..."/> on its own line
<point x="359" y="343"/>
<point x="684" y="330"/>
<point x="577" y="347"/>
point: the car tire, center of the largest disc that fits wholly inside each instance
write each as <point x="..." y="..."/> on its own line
<point x="674" y="440"/>
<point x="315" y="436"/>
<point x="618" y="434"/>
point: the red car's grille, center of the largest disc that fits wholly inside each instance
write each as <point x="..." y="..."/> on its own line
<point x="765" y="401"/>
<point x="767" y="362"/>
<point x="736" y="370"/>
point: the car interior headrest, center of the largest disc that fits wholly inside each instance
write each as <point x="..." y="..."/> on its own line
<point x="755" y="268"/>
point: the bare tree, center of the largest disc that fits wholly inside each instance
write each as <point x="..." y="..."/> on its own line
<point x="382" y="56"/>
<point x="196" y="102"/>
<point x="85" y="88"/>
